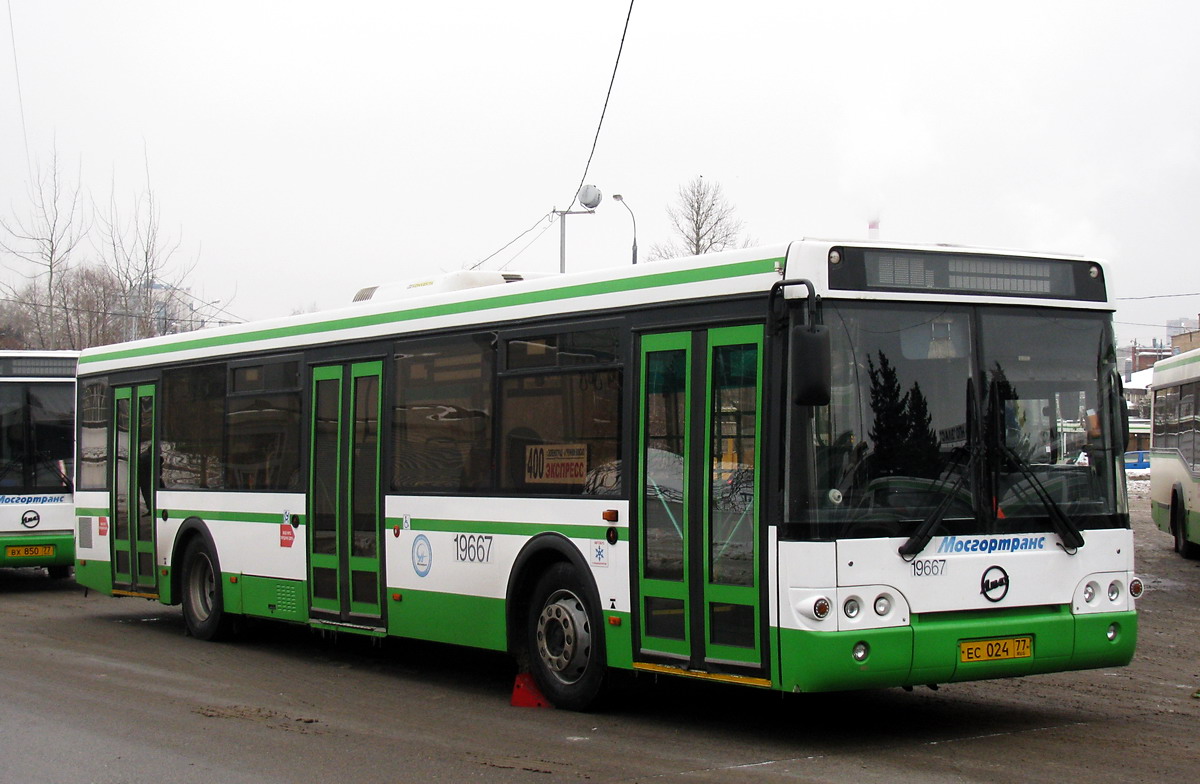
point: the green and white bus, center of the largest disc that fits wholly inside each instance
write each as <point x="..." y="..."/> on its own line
<point x="37" y="450"/>
<point x="809" y="467"/>
<point x="1175" y="450"/>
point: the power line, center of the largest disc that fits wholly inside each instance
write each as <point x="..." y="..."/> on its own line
<point x="603" y="111"/>
<point x="12" y="34"/>
<point x="114" y="313"/>
<point x="509" y="244"/>
<point x="1160" y="296"/>
<point x="587" y="166"/>
<point x="522" y="250"/>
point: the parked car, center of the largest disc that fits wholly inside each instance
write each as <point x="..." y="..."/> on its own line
<point x="1138" y="460"/>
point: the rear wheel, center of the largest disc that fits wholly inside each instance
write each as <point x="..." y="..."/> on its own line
<point x="202" y="601"/>
<point x="565" y="640"/>
<point x="1179" y="529"/>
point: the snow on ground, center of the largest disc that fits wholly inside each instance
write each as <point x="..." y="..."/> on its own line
<point x="1138" y="485"/>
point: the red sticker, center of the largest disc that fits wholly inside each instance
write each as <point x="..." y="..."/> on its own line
<point x="104" y="526"/>
<point x="287" y="535"/>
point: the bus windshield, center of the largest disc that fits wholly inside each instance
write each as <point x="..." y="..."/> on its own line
<point x="36" y="437"/>
<point x="967" y="420"/>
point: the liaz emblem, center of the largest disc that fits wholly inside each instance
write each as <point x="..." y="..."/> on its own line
<point x="994" y="584"/>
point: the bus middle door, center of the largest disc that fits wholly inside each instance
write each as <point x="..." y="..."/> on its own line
<point x="133" y="497"/>
<point x="699" y="601"/>
<point x="345" y="504"/>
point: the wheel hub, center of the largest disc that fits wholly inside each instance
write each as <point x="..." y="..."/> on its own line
<point x="564" y="637"/>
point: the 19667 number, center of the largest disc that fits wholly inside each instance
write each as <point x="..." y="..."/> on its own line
<point x="929" y="567"/>
<point x="472" y="548"/>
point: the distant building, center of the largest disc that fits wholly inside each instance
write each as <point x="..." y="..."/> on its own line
<point x="1184" y="340"/>
<point x="1178" y="326"/>
<point x="1143" y="357"/>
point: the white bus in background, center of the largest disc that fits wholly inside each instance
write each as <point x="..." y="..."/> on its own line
<point x="805" y="467"/>
<point x="1175" y="450"/>
<point x="37" y="452"/>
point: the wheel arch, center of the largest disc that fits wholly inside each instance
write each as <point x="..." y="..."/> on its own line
<point x="192" y="528"/>
<point x="539" y="554"/>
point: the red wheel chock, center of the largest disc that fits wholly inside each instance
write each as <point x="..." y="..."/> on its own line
<point x="526" y="694"/>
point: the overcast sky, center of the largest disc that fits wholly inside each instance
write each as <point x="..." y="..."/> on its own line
<point x="301" y="151"/>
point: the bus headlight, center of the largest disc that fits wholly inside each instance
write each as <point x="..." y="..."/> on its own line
<point x="883" y="605"/>
<point x="851" y="607"/>
<point x="1114" y="590"/>
<point x="861" y="651"/>
<point x="1089" y="592"/>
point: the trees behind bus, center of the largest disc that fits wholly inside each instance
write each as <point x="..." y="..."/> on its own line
<point x="87" y="275"/>
<point x="703" y="221"/>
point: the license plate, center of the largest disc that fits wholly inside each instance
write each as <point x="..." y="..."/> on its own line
<point x="995" y="650"/>
<point x="29" y="551"/>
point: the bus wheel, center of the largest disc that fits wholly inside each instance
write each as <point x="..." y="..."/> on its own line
<point x="1179" y="529"/>
<point x="202" y="601"/>
<point x="565" y="640"/>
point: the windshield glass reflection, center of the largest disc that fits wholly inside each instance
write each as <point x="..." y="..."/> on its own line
<point x="966" y="415"/>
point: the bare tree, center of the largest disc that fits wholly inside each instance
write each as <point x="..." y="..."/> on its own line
<point x="149" y="296"/>
<point x="129" y="288"/>
<point x="702" y="220"/>
<point x="46" y="241"/>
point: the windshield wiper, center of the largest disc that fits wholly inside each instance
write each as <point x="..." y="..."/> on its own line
<point x="916" y="543"/>
<point x="1071" y="536"/>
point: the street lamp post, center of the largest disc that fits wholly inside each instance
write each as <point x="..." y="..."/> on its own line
<point x="617" y="197"/>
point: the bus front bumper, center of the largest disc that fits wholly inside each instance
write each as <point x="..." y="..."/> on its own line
<point x="931" y="650"/>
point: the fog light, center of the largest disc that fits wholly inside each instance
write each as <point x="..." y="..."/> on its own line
<point x="1113" y="631"/>
<point x="883" y="605"/>
<point x="1089" y="592"/>
<point x="1136" y="589"/>
<point x="1114" y="591"/>
<point x="861" y="651"/>
<point x="821" y="608"/>
<point x="851" y="607"/>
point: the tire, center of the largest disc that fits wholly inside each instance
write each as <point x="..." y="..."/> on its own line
<point x="203" y="607"/>
<point x="565" y="640"/>
<point x="58" y="572"/>
<point x="1179" y="529"/>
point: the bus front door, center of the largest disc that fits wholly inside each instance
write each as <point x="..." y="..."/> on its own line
<point x="345" y="505"/>
<point x="133" y="483"/>
<point x="700" y="601"/>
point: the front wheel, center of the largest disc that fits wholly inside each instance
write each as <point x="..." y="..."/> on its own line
<point x="203" y="609"/>
<point x="565" y="640"/>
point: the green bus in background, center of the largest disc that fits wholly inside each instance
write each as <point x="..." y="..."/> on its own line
<point x="37" y="453"/>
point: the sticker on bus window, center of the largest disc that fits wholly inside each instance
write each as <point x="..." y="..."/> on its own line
<point x="560" y="464"/>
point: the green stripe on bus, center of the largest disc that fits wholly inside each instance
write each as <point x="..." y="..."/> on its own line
<point x="84" y="511"/>
<point x="514" y="529"/>
<point x="1173" y="363"/>
<point x="237" y="517"/>
<point x="674" y="278"/>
